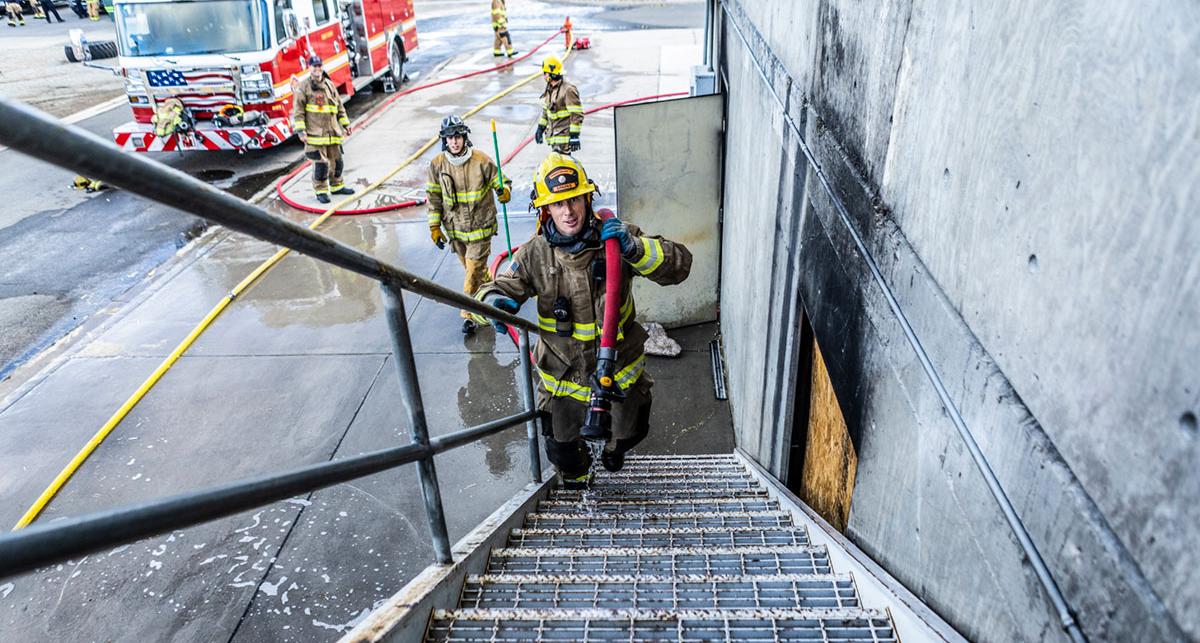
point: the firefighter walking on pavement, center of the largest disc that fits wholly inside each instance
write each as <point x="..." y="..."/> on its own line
<point x="562" y="268"/>
<point x="461" y="182"/>
<point x="320" y="120"/>
<point x="561" y="122"/>
<point x="16" y="15"/>
<point x="500" y="28"/>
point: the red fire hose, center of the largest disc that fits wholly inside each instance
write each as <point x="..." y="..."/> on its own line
<point x="598" y="420"/>
<point x="375" y="113"/>
<point x="593" y="110"/>
<point x="597" y="423"/>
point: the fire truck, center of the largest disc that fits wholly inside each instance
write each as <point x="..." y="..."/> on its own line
<point x="233" y="64"/>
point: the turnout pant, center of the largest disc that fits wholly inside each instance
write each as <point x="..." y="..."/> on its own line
<point x="562" y="418"/>
<point x="502" y="39"/>
<point x="327" y="167"/>
<point x="14" y="12"/>
<point x="473" y="255"/>
<point x="49" y="9"/>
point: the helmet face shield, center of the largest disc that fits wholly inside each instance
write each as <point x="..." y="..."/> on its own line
<point x="453" y="126"/>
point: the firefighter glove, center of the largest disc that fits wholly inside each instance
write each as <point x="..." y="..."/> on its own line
<point x="614" y="228"/>
<point x="574" y="142"/>
<point x="506" y="304"/>
<point x="540" y="134"/>
<point x="438" y="237"/>
<point x="505" y="193"/>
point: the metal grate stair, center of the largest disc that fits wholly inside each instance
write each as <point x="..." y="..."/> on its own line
<point x="670" y="548"/>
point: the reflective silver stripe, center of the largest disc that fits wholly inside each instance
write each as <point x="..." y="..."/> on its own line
<point x="652" y="256"/>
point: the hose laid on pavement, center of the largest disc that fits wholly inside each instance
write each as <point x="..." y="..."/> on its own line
<point x="61" y="479"/>
<point x="372" y="115"/>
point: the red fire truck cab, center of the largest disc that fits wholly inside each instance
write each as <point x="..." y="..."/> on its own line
<point x="233" y="63"/>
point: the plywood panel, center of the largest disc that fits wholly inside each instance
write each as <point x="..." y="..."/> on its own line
<point x="830" y="462"/>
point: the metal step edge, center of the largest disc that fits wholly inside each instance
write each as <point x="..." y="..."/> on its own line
<point x="661" y="502"/>
<point x="682" y="472"/>
<point x="641" y="457"/>
<point x="583" y="579"/>
<point x="672" y="466"/>
<point x="658" y="516"/>
<point x="691" y="495"/>
<point x="610" y="490"/>
<point x="522" y="552"/>
<point x="592" y="614"/>
<point x="650" y="477"/>
<point x="539" y="531"/>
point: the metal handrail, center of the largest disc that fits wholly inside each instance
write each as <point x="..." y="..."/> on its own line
<point x="41" y="545"/>
<point x="39" y="135"/>
<point x="1045" y="578"/>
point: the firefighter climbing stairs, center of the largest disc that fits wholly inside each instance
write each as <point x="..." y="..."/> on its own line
<point x="684" y="548"/>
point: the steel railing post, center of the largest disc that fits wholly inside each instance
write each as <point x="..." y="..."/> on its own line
<point x="414" y="409"/>
<point x="531" y="426"/>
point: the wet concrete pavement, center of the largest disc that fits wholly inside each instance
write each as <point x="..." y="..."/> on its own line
<point x="298" y="371"/>
<point x="51" y="283"/>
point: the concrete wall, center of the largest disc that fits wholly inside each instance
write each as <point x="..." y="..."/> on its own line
<point x="1021" y="174"/>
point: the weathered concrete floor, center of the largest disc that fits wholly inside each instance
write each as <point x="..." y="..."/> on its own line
<point x="298" y="371"/>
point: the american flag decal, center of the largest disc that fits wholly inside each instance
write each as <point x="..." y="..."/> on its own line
<point x="165" y="78"/>
<point x="197" y="88"/>
<point x="185" y="77"/>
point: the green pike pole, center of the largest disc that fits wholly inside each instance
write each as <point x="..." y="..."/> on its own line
<point x="500" y="174"/>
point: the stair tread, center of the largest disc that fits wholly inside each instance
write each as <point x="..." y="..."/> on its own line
<point x="630" y="493"/>
<point x="692" y="625"/>
<point x="585" y="579"/>
<point x="653" y="551"/>
<point x="653" y="530"/>
<point x="825" y="592"/>
<point x="638" y="515"/>
<point x="662" y="504"/>
<point x="601" y="614"/>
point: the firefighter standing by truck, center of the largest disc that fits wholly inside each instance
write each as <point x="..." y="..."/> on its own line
<point x="500" y="28"/>
<point x="559" y="268"/>
<point x="561" y="122"/>
<point x="461" y="182"/>
<point x="320" y="119"/>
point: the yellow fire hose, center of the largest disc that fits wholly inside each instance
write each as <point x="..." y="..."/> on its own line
<point x="61" y="480"/>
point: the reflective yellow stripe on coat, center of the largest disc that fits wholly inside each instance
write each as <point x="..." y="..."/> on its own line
<point x="652" y="257"/>
<point x="590" y="332"/>
<point x="626" y="377"/>
<point x="472" y="235"/>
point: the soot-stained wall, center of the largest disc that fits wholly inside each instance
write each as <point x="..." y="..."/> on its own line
<point x="1024" y="179"/>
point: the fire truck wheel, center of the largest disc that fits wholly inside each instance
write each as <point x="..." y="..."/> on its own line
<point x="103" y="49"/>
<point x="396" y="63"/>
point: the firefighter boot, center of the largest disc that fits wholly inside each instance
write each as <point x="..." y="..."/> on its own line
<point x="612" y="460"/>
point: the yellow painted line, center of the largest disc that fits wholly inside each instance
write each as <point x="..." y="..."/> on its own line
<point x="61" y="480"/>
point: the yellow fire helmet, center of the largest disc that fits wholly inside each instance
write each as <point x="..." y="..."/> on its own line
<point x="558" y="178"/>
<point x="552" y="65"/>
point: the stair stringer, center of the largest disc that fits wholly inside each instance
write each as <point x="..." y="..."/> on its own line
<point x="405" y="615"/>
<point x="913" y="620"/>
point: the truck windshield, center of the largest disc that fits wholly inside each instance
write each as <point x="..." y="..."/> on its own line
<point x="192" y="27"/>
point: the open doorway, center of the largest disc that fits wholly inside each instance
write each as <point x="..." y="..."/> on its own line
<point x="822" y="460"/>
